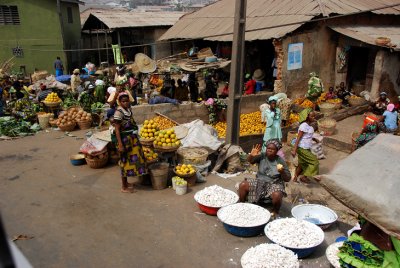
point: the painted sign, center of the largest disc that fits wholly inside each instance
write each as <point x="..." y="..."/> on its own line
<point x="295" y="56"/>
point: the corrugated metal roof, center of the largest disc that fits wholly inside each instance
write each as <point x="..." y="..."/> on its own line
<point x="368" y="34"/>
<point x="215" y="22"/>
<point x="125" y="19"/>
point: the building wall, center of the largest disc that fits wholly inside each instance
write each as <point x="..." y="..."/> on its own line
<point x="38" y="32"/>
<point x="390" y="80"/>
<point x="319" y="50"/>
<point x="161" y="49"/>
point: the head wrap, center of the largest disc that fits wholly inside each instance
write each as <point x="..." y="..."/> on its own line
<point x="272" y="98"/>
<point x="312" y="74"/>
<point x="111" y="90"/>
<point x="304" y="114"/>
<point x="76" y="71"/>
<point x="390" y="107"/>
<point x="247" y="76"/>
<point x="122" y="94"/>
<point x="383" y="93"/>
<point x="275" y="142"/>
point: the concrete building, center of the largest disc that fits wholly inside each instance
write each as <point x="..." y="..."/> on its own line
<point x="307" y="36"/>
<point x="37" y="31"/>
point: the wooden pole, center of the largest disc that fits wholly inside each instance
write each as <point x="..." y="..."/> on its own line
<point x="236" y="79"/>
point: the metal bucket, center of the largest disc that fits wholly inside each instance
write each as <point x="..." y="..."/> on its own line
<point x="159" y="175"/>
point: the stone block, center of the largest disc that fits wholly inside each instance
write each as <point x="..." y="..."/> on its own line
<point x="174" y="115"/>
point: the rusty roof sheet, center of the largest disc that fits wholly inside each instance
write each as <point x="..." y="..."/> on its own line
<point x="114" y="19"/>
<point x="368" y="34"/>
<point x="215" y="22"/>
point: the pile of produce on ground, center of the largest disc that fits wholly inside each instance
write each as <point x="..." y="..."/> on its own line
<point x="69" y="102"/>
<point x="216" y="196"/>
<point x="148" y="130"/>
<point x="244" y="215"/>
<point x="183" y="170"/>
<point x="293" y="118"/>
<point x="149" y="154"/>
<point x="11" y="127"/>
<point x="269" y="256"/>
<point x="166" y="138"/>
<point x="163" y="123"/>
<point x="293" y="233"/>
<point x="321" y="98"/>
<point x="250" y="124"/>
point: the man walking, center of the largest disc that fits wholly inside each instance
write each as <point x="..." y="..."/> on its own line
<point x="58" y="65"/>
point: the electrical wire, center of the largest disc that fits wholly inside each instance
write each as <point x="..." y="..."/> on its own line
<point x="210" y="36"/>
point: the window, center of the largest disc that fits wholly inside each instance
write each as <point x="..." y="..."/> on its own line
<point x="9" y="15"/>
<point x="69" y="13"/>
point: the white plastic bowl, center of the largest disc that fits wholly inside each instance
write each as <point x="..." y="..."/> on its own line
<point x="317" y="214"/>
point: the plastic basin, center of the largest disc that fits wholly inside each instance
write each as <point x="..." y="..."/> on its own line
<point x="314" y="213"/>
<point x="244" y="231"/>
<point x="77" y="159"/>
<point x="211" y="210"/>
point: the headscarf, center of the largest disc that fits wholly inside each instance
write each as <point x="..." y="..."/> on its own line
<point x="111" y="90"/>
<point x="304" y="114"/>
<point x="275" y="142"/>
<point x="272" y="98"/>
<point x="76" y="71"/>
<point x="383" y="93"/>
<point x="390" y="107"/>
<point x="312" y="74"/>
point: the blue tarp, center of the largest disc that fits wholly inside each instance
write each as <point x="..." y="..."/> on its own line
<point x="67" y="78"/>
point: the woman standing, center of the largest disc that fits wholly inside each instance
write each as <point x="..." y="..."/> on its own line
<point x="131" y="161"/>
<point x="272" y="115"/>
<point x="271" y="177"/>
<point x="308" y="162"/>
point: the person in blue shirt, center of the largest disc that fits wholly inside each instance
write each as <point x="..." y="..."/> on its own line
<point x="390" y="119"/>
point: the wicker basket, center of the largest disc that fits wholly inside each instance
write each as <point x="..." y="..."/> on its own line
<point x="69" y="127"/>
<point x="53" y="123"/>
<point x="85" y="124"/>
<point x="97" y="163"/>
<point x="166" y="149"/>
<point x="327" y="109"/>
<point x="43" y="120"/>
<point x="193" y="156"/>
<point x="327" y="125"/>
<point x="382" y="41"/>
<point x="356" y="101"/>
<point x="338" y="104"/>
<point x="52" y="104"/>
<point x="147" y="142"/>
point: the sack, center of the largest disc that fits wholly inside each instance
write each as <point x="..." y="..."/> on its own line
<point x="233" y="163"/>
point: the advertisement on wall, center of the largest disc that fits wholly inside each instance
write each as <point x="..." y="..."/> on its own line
<point x="295" y="56"/>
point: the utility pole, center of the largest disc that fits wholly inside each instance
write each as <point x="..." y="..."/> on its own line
<point x="236" y="79"/>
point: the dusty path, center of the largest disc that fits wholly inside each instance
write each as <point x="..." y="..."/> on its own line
<point x="78" y="217"/>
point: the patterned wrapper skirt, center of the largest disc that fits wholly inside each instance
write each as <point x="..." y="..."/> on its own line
<point x="132" y="161"/>
<point x="308" y="162"/>
<point x="260" y="189"/>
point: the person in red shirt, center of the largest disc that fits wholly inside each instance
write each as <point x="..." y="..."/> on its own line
<point x="225" y="91"/>
<point x="250" y="87"/>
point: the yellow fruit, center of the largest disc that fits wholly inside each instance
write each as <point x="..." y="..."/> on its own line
<point x="146" y="122"/>
<point x="168" y="141"/>
<point x="164" y="144"/>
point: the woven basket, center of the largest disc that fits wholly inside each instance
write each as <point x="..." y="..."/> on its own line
<point x="97" y="163"/>
<point x="166" y="149"/>
<point x="69" y="127"/>
<point x="193" y="156"/>
<point x="327" y="108"/>
<point x="43" y="120"/>
<point x="338" y="104"/>
<point x="147" y="142"/>
<point x="53" y="123"/>
<point x="382" y="41"/>
<point x="52" y="104"/>
<point x="85" y="124"/>
<point x="356" y="101"/>
<point x="327" y="125"/>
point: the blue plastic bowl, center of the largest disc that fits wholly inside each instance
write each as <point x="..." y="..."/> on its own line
<point x="77" y="159"/>
<point x="244" y="231"/>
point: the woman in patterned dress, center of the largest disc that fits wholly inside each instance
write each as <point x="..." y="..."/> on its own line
<point x="132" y="161"/>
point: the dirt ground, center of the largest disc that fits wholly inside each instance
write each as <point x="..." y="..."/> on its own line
<point x="78" y="217"/>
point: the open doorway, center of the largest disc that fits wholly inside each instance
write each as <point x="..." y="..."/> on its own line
<point x="358" y="66"/>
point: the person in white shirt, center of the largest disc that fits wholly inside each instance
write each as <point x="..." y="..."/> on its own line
<point x="308" y="162"/>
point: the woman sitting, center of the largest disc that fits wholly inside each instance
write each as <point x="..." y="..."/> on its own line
<point x="369" y="132"/>
<point x="271" y="175"/>
<point x="390" y="119"/>
<point x="131" y="160"/>
<point x="308" y="162"/>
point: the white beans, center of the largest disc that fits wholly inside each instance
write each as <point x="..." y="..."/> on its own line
<point x="215" y="196"/>
<point x="269" y="256"/>
<point x="244" y="215"/>
<point x="331" y="254"/>
<point x="293" y="233"/>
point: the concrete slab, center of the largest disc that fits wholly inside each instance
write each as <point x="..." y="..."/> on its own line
<point x="79" y="218"/>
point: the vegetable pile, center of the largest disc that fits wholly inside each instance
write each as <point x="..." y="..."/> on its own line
<point x="11" y="127"/>
<point x="244" y="215"/>
<point x="293" y="233"/>
<point x="216" y="196"/>
<point x="269" y="256"/>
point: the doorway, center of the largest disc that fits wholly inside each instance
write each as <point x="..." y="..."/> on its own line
<point x="358" y="66"/>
